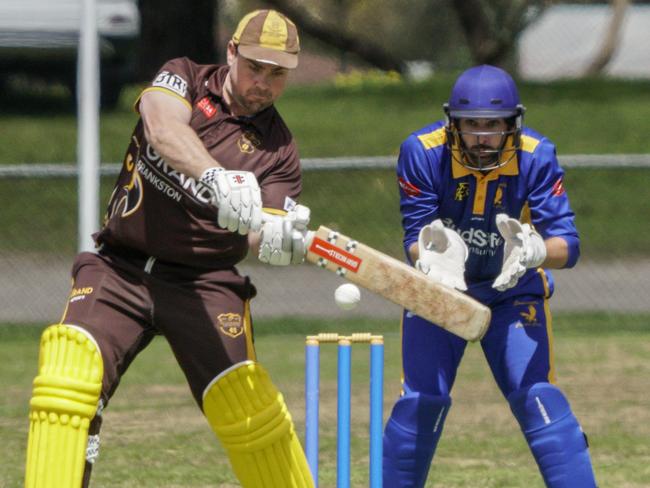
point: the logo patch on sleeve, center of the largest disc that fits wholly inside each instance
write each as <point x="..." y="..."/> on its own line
<point x="409" y="188"/>
<point x="172" y="82"/>
<point x="558" y="188"/>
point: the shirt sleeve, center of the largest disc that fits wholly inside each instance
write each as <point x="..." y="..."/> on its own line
<point x="176" y="78"/>
<point x="418" y="192"/>
<point x="550" y="210"/>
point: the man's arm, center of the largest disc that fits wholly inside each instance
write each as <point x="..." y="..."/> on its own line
<point x="167" y="128"/>
<point x="254" y="241"/>
<point x="557" y="253"/>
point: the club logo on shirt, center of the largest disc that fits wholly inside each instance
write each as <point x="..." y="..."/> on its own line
<point x="231" y="324"/>
<point x="248" y="141"/>
<point x="126" y="199"/>
<point x="498" y="196"/>
<point x="462" y="192"/>
<point x="409" y="188"/>
<point x="172" y="82"/>
<point x="206" y="106"/>
<point x="529" y="315"/>
<point x="558" y="188"/>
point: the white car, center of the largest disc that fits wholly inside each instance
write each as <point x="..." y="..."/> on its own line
<point x="39" y="38"/>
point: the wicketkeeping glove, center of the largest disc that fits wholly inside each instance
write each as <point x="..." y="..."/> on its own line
<point x="524" y="248"/>
<point x="236" y="194"/>
<point x="283" y="238"/>
<point x="442" y="255"/>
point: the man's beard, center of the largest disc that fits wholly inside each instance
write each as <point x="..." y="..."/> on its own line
<point x="482" y="155"/>
<point x="262" y="100"/>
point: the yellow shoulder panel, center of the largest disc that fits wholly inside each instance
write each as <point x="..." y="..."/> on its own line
<point x="529" y="143"/>
<point x="433" y="139"/>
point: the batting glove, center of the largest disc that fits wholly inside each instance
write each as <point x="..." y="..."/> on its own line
<point x="236" y="194"/>
<point x="283" y="239"/>
<point x="442" y="255"/>
<point x="524" y="248"/>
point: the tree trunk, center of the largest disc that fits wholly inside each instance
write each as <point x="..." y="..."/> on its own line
<point x="370" y="53"/>
<point x="491" y="28"/>
<point x="173" y="28"/>
<point x="611" y="41"/>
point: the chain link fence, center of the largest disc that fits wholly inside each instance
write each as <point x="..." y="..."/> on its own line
<point x="38" y="236"/>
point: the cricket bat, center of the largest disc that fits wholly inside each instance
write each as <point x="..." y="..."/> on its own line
<point x="398" y="282"/>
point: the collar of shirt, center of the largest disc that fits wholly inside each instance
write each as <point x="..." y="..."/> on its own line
<point x="511" y="168"/>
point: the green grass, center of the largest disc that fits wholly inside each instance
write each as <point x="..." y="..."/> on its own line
<point x="154" y="435"/>
<point x="611" y="206"/>
<point x="363" y="119"/>
<point x="367" y="118"/>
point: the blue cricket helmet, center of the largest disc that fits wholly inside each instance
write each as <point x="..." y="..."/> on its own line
<point x="484" y="92"/>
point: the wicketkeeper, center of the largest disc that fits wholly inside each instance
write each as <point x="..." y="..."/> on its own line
<point x="207" y="155"/>
<point x="485" y="210"/>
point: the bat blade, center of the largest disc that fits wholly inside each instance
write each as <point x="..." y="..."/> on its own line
<point x="400" y="283"/>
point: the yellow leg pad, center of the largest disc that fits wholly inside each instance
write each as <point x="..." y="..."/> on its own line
<point x="251" y="420"/>
<point x="64" y="401"/>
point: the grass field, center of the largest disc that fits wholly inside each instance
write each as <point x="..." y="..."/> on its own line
<point x="364" y="119"/>
<point x="338" y="199"/>
<point x="367" y="118"/>
<point x="154" y="436"/>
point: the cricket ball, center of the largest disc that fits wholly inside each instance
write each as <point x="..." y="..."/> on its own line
<point x="347" y="296"/>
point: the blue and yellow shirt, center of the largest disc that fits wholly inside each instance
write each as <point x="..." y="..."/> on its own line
<point x="529" y="187"/>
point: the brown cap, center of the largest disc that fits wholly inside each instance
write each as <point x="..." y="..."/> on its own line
<point x="268" y="36"/>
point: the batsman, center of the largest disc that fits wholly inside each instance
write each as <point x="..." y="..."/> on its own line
<point x="484" y="210"/>
<point x="208" y="155"/>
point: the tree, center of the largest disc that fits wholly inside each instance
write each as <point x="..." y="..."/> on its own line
<point x="611" y="41"/>
<point x="415" y="29"/>
<point x="172" y="28"/>
<point x="335" y="36"/>
<point x="491" y="27"/>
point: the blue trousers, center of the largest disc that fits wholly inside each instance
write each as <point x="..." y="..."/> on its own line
<point x="518" y="348"/>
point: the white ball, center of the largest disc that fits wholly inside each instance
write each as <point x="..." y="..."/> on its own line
<point x="347" y="296"/>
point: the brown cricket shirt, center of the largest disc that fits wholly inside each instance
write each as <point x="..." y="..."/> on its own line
<point x="160" y="212"/>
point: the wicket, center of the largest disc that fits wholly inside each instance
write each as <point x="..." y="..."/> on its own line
<point x="312" y="377"/>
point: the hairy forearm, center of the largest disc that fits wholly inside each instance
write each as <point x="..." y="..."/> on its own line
<point x="180" y="147"/>
<point x="167" y="128"/>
